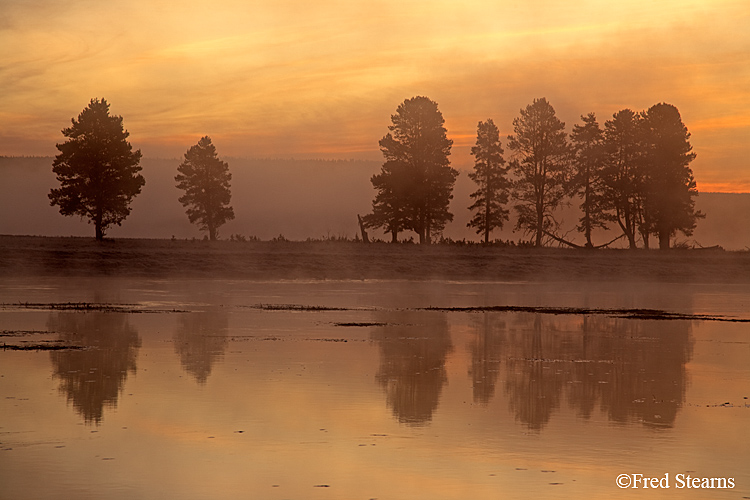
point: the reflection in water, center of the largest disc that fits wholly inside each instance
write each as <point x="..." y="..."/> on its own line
<point x="534" y="387"/>
<point x="486" y="353"/>
<point x="93" y="378"/>
<point x="413" y="347"/>
<point x="633" y="370"/>
<point x="200" y="341"/>
<point x="647" y="381"/>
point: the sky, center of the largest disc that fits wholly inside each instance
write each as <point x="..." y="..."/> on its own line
<point x="300" y="79"/>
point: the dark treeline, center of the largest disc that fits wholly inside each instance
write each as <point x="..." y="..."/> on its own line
<point x="632" y="174"/>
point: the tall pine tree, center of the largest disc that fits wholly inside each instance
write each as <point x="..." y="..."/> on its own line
<point x="586" y="180"/>
<point x="205" y="180"/>
<point x="97" y="169"/>
<point x="671" y="187"/>
<point x="540" y="163"/>
<point x="416" y="181"/>
<point x="623" y="173"/>
<point x="490" y="176"/>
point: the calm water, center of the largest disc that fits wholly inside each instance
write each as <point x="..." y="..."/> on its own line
<point x="193" y="390"/>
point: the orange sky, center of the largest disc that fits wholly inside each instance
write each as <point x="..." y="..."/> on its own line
<point x="294" y="78"/>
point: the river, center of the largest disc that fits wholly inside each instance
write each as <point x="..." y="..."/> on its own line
<point x="125" y="388"/>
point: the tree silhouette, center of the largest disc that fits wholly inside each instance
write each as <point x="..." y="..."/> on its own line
<point x="586" y="180"/>
<point x="390" y="206"/>
<point x="97" y="169"/>
<point x="490" y="175"/>
<point x="205" y="180"/>
<point x="671" y="186"/>
<point x="540" y="148"/>
<point x="623" y="172"/>
<point x="416" y="181"/>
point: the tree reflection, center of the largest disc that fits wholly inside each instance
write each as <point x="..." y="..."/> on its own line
<point x="200" y="341"/>
<point x="93" y="378"/>
<point x="413" y="348"/>
<point x="647" y="380"/>
<point x="486" y="353"/>
<point x="631" y="370"/>
<point x="533" y="387"/>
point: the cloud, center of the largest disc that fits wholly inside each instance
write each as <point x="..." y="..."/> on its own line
<point x="296" y="77"/>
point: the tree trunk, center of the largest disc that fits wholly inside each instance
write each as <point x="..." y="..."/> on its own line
<point x="394" y="236"/>
<point x="98" y="225"/>
<point x="486" y="218"/>
<point x="587" y="214"/>
<point x="211" y="233"/>
<point x="663" y="240"/>
<point x="539" y="223"/>
<point x="365" y="238"/>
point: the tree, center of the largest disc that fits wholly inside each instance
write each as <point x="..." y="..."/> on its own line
<point x="671" y="186"/>
<point x="540" y="164"/>
<point x="623" y="173"/>
<point x="586" y="181"/>
<point x="416" y="180"/>
<point x="205" y="180"/>
<point x="490" y="175"/>
<point x="97" y="169"/>
<point x="391" y="203"/>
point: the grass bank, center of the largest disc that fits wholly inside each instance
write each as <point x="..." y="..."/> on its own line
<point x="256" y="260"/>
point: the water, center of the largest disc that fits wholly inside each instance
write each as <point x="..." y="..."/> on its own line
<point x="219" y="389"/>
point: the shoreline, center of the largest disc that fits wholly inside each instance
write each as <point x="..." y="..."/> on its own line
<point x="41" y="256"/>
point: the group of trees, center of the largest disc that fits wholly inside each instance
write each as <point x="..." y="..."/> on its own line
<point x="99" y="175"/>
<point x="635" y="173"/>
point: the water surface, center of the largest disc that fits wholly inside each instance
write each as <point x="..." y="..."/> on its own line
<point x="198" y="389"/>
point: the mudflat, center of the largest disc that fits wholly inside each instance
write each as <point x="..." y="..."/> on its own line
<point x="321" y="260"/>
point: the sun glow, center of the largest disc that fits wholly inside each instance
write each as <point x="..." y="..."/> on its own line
<point x="294" y="78"/>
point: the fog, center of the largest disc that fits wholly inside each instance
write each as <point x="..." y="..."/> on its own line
<point x="298" y="199"/>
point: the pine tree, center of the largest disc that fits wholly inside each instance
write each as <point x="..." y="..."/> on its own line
<point x="671" y="186"/>
<point x="205" y="180"/>
<point x="416" y="181"/>
<point x="97" y="169"/>
<point x="540" y="163"/>
<point x="586" y="181"/>
<point x="390" y="206"/>
<point x="490" y="175"/>
<point x="623" y="174"/>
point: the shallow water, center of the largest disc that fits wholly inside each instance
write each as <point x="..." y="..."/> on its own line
<point x="219" y="389"/>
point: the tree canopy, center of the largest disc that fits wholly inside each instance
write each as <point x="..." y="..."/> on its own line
<point x="670" y="184"/>
<point x="490" y="176"/>
<point x="416" y="180"/>
<point x="540" y="163"/>
<point x="586" y="180"/>
<point x="623" y="172"/>
<point x="205" y="179"/>
<point x="97" y="169"/>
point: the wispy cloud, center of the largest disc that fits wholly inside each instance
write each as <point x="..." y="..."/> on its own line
<point x="293" y="77"/>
